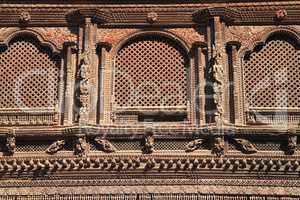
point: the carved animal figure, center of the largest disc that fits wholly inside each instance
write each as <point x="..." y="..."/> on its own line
<point x="193" y="145"/>
<point x="55" y="147"/>
<point x="105" y="145"/>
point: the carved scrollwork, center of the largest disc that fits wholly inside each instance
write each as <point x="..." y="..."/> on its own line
<point x="245" y="145"/>
<point x="55" y="147"/>
<point x="194" y="145"/>
<point x="105" y="145"/>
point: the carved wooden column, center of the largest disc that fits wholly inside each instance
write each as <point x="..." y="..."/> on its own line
<point x="87" y="72"/>
<point x="217" y="72"/>
<point x="70" y="83"/>
<point x="236" y="115"/>
<point x="103" y="50"/>
<point x="200" y="60"/>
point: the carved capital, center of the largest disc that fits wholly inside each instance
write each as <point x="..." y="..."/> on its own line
<point x="226" y="14"/>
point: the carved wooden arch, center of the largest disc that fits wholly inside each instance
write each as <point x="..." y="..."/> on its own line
<point x="259" y="40"/>
<point x="178" y="40"/>
<point x="43" y="41"/>
<point x="183" y="47"/>
<point x="266" y="34"/>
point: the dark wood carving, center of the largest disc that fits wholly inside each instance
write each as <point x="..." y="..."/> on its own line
<point x="149" y="100"/>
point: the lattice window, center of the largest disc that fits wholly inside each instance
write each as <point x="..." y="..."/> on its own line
<point x="29" y="76"/>
<point x="151" y="72"/>
<point x="272" y="74"/>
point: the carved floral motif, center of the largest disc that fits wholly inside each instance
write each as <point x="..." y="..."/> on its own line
<point x="189" y="35"/>
<point x="58" y="35"/>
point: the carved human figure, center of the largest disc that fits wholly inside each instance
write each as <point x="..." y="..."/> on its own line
<point x="218" y="146"/>
<point x="81" y="147"/>
<point x="291" y="144"/>
<point x="149" y="141"/>
<point x="10" y="145"/>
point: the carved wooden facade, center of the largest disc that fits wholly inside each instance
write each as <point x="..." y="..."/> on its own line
<point x="147" y="100"/>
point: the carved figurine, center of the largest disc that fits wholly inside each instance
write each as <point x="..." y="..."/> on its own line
<point x="218" y="81"/>
<point x="10" y="145"/>
<point x="152" y="17"/>
<point x="25" y="16"/>
<point x="106" y="146"/>
<point x="217" y="68"/>
<point x="218" y="146"/>
<point x="149" y="141"/>
<point x="291" y="144"/>
<point x="55" y="147"/>
<point x="81" y="147"/>
<point x="246" y="146"/>
<point x="194" y="145"/>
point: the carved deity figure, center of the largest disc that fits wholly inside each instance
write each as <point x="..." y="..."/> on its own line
<point x="81" y="147"/>
<point x="218" y="81"/>
<point x="10" y="145"/>
<point x="218" y="146"/>
<point x="55" y="147"/>
<point x="217" y="68"/>
<point x="291" y="144"/>
<point x="149" y="141"/>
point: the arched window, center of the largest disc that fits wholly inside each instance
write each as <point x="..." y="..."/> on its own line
<point x="29" y="79"/>
<point x="151" y="76"/>
<point x="272" y="76"/>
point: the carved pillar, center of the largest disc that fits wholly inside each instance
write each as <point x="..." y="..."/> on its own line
<point x="200" y="60"/>
<point x="235" y="80"/>
<point x="70" y="83"/>
<point x="219" y="72"/>
<point x="87" y="74"/>
<point x="103" y="50"/>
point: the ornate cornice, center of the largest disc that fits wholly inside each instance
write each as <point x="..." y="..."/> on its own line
<point x="153" y="164"/>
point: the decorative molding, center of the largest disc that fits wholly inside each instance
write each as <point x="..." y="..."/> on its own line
<point x="225" y="13"/>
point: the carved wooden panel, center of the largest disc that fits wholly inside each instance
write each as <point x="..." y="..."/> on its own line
<point x="150" y="72"/>
<point x="272" y="75"/>
<point x="30" y="76"/>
